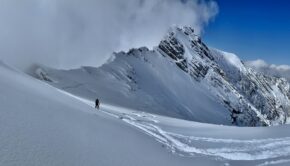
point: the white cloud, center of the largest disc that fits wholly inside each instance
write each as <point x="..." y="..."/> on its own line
<point x="69" y="33"/>
<point x="270" y="69"/>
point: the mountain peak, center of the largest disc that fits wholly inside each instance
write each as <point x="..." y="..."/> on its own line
<point x="187" y="30"/>
<point x="186" y="80"/>
<point x="246" y="93"/>
<point x="182" y="45"/>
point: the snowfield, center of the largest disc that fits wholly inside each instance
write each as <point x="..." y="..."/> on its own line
<point x="149" y="83"/>
<point x="41" y="125"/>
<point x="176" y="105"/>
<point x="228" y="144"/>
<point x="181" y="78"/>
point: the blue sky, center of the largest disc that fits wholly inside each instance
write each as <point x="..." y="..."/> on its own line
<point x="252" y="29"/>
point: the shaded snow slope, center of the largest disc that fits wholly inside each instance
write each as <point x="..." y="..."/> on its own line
<point x="182" y="78"/>
<point x="40" y="125"/>
<point x="143" y="80"/>
<point x="252" y="98"/>
<point x="232" y="145"/>
<point x="224" y="144"/>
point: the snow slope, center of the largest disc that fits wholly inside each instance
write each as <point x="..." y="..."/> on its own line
<point x="252" y="98"/>
<point x="181" y="78"/>
<point x="143" y="80"/>
<point x="230" y="145"/>
<point x="224" y="145"/>
<point x="40" y="125"/>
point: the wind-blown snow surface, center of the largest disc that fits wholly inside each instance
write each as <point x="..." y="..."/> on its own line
<point x="231" y="145"/>
<point x="144" y="81"/>
<point x="41" y="125"/>
<point x="182" y="78"/>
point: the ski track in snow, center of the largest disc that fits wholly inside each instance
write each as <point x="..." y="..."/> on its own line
<point x="230" y="149"/>
<point x="275" y="162"/>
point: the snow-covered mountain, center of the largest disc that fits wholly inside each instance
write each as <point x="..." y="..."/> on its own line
<point x="43" y="125"/>
<point x="57" y="125"/>
<point x="181" y="78"/>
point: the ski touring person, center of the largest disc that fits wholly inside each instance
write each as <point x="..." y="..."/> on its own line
<point x="97" y="104"/>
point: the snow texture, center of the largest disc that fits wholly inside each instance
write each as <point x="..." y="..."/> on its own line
<point x="182" y="78"/>
<point x="40" y="125"/>
<point x="152" y="103"/>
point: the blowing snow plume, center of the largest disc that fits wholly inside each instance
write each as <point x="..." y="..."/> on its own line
<point x="71" y="33"/>
<point x="270" y="69"/>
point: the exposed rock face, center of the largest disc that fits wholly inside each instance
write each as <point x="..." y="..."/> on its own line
<point x="254" y="99"/>
<point x="149" y="80"/>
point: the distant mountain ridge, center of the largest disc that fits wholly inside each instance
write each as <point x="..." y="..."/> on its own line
<point x="182" y="78"/>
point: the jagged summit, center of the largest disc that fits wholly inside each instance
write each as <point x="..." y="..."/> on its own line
<point x="246" y="93"/>
<point x="183" y="46"/>
<point x="184" y="78"/>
